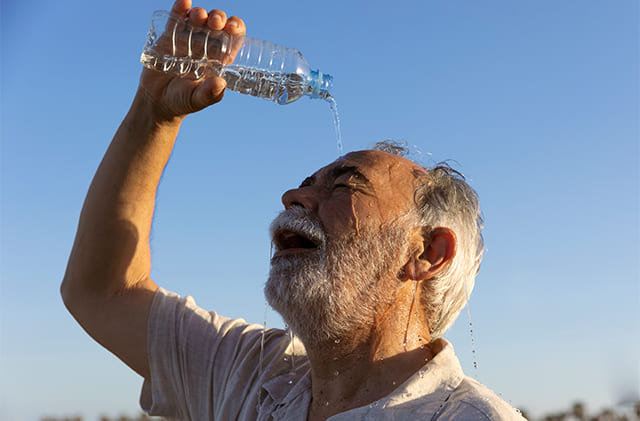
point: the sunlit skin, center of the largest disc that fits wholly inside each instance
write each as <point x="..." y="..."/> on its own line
<point x="107" y="286"/>
<point x="174" y="97"/>
<point x="363" y="190"/>
<point x="110" y="262"/>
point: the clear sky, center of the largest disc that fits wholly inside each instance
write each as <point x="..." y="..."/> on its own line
<point x="535" y="102"/>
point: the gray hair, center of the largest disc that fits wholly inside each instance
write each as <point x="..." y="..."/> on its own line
<point x="444" y="199"/>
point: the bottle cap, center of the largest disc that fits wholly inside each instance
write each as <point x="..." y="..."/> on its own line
<point x="320" y="84"/>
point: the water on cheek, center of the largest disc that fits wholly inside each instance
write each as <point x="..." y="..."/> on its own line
<point x="354" y="215"/>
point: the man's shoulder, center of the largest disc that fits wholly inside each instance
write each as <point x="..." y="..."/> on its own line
<point x="472" y="400"/>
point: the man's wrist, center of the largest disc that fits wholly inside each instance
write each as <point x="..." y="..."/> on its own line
<point x="158" y="114"/>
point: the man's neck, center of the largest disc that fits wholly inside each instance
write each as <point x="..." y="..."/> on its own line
<point x="365" y="367"/>
<point x="362" y="382"/>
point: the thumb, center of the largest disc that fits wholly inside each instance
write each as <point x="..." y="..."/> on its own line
<point x="207" y="93"/>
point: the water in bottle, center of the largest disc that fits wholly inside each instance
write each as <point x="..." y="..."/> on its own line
<point x="249" y="66"/>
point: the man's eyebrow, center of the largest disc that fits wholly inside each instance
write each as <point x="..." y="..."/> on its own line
<point x="348" y="169"/>
<point x="309" y="181"/>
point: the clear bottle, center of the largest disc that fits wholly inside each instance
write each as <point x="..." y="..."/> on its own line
<point x="260" y="68"/>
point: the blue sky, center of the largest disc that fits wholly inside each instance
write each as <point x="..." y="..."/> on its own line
<point x="536" y="102"/>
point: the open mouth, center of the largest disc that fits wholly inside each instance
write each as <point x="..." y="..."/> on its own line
<point x="287" y="241"/>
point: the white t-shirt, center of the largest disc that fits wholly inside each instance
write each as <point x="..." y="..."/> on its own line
<point x="208" y="367"/>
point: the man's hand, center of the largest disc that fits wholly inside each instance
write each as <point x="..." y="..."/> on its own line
<point x="176" y="97"/>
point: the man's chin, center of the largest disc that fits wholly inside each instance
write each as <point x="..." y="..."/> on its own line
<point x="283" y="296"/>
<point x="273" y="293"/>
<point x="306" y="315"/>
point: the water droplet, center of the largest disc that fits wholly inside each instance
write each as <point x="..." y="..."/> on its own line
<point x="326" y="403"/>
<point x="337" y="341"/>
<point x="473" y="341"/>
<point x="394" y="383"/>
<point x="336" y="373"/>
<point x="422" y="347"/>
<point x="336" y="121"/>
<point x="286" y="358"/>
<point x="404" y="344"/>
<point x="293" y="353"/>
<point x="264" y="328"/>
<point x="290" y="382"/>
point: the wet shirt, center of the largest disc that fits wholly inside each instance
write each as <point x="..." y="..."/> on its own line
<point x="208" y="367"/>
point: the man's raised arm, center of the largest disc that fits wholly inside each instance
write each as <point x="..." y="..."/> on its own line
<point x="107" y="285"/>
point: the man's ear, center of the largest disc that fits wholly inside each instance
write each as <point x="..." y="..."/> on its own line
<point x="431" y="252"/>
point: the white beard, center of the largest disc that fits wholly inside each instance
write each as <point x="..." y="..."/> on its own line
<point x="335" y="289"/>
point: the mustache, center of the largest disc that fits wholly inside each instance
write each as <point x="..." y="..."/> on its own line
<point x="301" y="221"/>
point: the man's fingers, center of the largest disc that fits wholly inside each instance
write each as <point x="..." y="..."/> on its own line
<point x="235" y="26"/>
<point x="217" y="20"/>
<point x="198" y="16"/>
<point x="181" y="7"/>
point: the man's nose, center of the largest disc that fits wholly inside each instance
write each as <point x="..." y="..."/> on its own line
<point x="303" y="196"/>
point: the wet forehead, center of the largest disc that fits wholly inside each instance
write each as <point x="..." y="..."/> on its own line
<point x="392" y="177"/>
<point x="383" y="166"/>
<point x="383" y="161"/>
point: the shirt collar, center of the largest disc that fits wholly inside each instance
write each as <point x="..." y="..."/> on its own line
<point x="438" y="379"/>
<point x="286" y="387"/>
<point x="429" y="388"/>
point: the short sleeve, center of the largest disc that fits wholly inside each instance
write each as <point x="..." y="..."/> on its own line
<point x="202" y="365"/>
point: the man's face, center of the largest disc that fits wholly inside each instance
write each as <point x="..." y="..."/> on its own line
<point x="365" y="188"/>
<point x="340" y="243"/>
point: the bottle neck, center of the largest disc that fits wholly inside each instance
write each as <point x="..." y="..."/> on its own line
<point x="320" y="84"/>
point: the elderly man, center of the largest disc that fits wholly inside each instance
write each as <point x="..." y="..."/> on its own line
<point x="374" y="256"/>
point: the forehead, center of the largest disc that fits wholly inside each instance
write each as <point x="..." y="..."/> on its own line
<point x="390" y="180"/>
<point x="378" y="164"/>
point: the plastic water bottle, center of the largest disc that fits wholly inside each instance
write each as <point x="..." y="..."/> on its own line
<point x="261" y="69"/>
